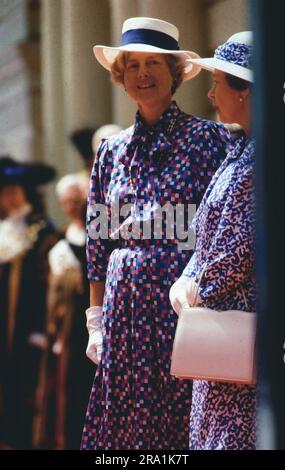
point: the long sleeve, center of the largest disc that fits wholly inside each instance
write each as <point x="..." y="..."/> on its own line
<point x="209" y="153"/>
<point x="226" y="255"/>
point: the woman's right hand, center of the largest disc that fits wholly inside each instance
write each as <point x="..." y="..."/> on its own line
<point x="94" y="326"/>
<point x="183" y="294"/>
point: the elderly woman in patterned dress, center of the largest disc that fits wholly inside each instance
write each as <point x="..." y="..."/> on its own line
<point x="167" y="156"/>
<point x="223" y="415"/>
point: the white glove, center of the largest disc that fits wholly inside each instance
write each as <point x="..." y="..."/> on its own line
<point x="94" y="327"/>
<point x="183" y="293"/>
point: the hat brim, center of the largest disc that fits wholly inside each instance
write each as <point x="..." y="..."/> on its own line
<point x="107" y="55"/>
<point x="27" y="174"/>
<point x="82" y="141"/>
<point x="211" y="64"/>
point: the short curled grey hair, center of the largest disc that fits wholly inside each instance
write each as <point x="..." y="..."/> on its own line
<point x="175" y="63"/>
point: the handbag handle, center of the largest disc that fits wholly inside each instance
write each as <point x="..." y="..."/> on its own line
<point x="198" y="285"/>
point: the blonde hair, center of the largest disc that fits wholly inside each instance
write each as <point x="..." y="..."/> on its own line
<point x="175" y="64"/>
<point x="77" y="181"/>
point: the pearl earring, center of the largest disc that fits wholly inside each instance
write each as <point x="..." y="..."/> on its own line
<point x="241" y="100"/>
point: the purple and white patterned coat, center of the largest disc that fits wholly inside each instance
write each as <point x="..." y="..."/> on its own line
<point x="223" y="415"/>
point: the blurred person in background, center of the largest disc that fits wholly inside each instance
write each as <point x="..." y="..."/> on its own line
<point x="103" y="132"/>
<point x="82" y="141"/>
<point x="87" y="140"/>
<point x="26" y="236"/>
<point x="67" y="374"/>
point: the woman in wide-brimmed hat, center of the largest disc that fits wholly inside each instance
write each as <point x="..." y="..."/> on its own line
<point x="26" y="235"/>
<point x="223" y="415"/>
<point x="166" y="158"/>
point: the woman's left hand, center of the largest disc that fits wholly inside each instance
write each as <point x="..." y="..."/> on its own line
<point x="183" y="294"/>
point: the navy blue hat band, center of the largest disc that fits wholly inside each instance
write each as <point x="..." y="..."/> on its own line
<point x="14" y="171"/>
<point x="151" y="38"/>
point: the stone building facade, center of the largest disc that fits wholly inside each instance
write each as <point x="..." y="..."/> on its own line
<point x="50" y="83"/>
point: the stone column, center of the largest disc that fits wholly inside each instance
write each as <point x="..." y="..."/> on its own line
<point x="189" y="16"/>
<point x="86" y="89"/>
<point x="123" y="107"/>
<point x="76" y="92"/>
<point x="20" y="118"/>
<point x="225" y="19"/>
<point x="52" y="96"/>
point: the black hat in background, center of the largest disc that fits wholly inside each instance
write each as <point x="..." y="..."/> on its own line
<point x="24" y="174"/>
<point x="82" y="141"/>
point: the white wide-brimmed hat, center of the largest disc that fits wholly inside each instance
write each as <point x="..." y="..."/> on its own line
<point x="148" y="35"/>
<point x="233" y="57"/>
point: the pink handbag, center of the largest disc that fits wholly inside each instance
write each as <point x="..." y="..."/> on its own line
<point x="218" y="346"/>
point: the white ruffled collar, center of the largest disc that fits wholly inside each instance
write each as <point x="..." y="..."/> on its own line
<point x="15" y="235"/>
<point x="75" y="235"/>
<point x="61" y="257"/>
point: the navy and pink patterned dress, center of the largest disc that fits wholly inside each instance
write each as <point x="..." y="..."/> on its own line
<point x="223" y="415"/>
<point x="134" y="402"/>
